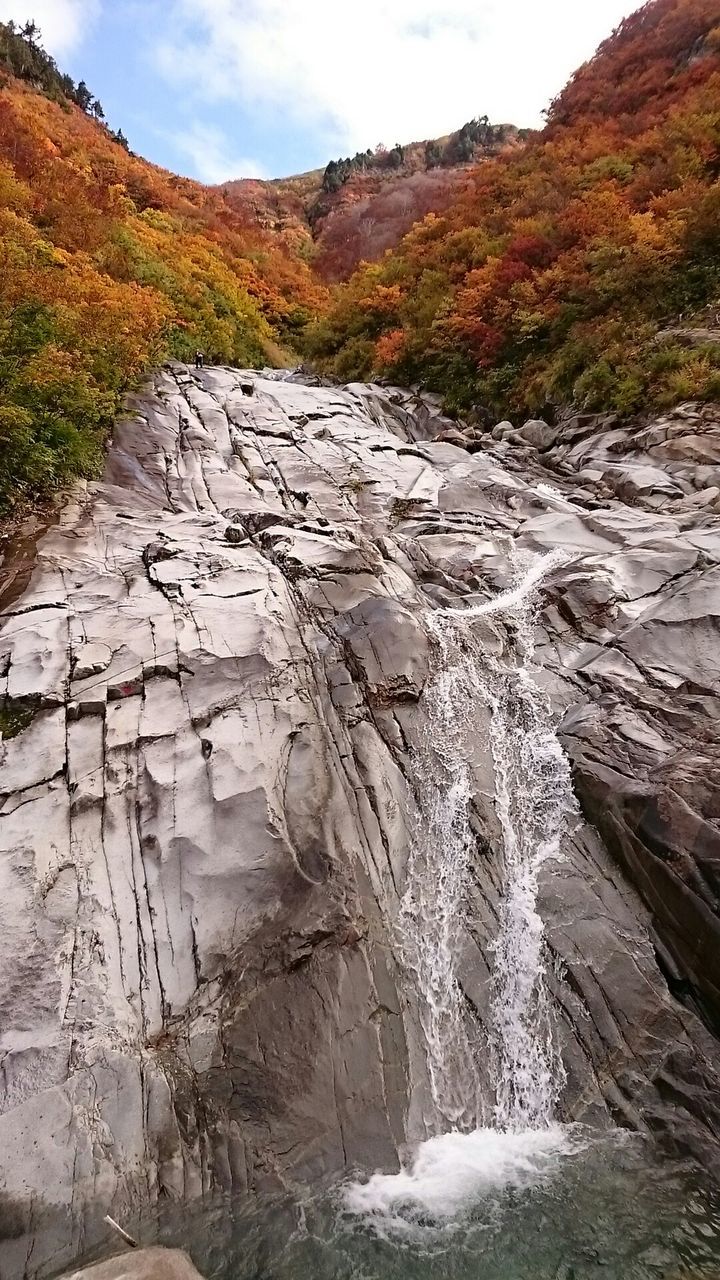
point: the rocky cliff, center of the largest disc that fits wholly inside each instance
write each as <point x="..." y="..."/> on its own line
<point x="358" y="208"/>
<point x="212" y="704"/>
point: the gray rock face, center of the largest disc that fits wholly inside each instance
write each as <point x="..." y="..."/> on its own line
<point x="213" y="689"/>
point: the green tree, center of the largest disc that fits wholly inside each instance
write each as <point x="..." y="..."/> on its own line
<point x="83" y="96"/>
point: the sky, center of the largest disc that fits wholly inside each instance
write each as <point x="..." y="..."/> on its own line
<point x="220" y="89"/>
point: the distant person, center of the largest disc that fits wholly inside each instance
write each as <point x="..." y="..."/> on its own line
<point x="199" y="360"/>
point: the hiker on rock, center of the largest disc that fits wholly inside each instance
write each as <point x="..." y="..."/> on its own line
<point x="199" y="360"/>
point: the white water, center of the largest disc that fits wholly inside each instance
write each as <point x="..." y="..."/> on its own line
<point x="517" y="599"/>
<point x="431" y="910"/>
<point x="533" y="802"/>
<point x="452" y="1171"/>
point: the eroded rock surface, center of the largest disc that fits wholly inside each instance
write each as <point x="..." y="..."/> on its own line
<point x="212" y="691"/>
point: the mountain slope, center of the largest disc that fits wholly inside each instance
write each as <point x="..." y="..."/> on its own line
<point x="552" y="277"/>
<point x="581" y="267"/>
<point x="360" y="206"/>
<point x="110" y="265"/>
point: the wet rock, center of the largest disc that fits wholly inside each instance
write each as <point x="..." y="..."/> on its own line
<point x="451" y="435"/>
<point x="388" y="650"/>
<point x="155" y="552"/>
<point x="90" y="660"/>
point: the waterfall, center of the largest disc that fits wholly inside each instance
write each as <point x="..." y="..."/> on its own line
<point x="533" y="800"/>
<point x="518" y="599"/>
<point x="431" y="910"/>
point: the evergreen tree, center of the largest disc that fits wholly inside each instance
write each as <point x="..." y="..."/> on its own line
<point x="83" y="96"/>
<point x="31" y="33"/>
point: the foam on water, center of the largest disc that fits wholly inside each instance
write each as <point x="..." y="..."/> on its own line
<point x="559" y="501"/>
<point x="452" y="1173"/>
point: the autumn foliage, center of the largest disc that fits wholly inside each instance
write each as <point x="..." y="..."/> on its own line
<point x="107" y="266"/>
<point x="367" y="217"/>
<point x="359" y="207"/>
<point x="553" y="274"/>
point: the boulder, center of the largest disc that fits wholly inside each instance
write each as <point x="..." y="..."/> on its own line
<point x="540" y="434"/>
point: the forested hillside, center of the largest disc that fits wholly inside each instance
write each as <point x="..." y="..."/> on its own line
<point x="107" y="266"/>
<point x="583" y="269"/>
<point x="359" y="206"/>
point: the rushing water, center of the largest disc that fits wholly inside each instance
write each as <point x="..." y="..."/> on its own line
<point x="533" y="801"/>
<point x="431" y="910"/>
<point x="521" y="1198"/>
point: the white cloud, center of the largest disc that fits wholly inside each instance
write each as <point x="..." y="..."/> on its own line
<point x="212" y="155"/>
<point x="383" y="70"/>
<point x="63" y="23"/>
